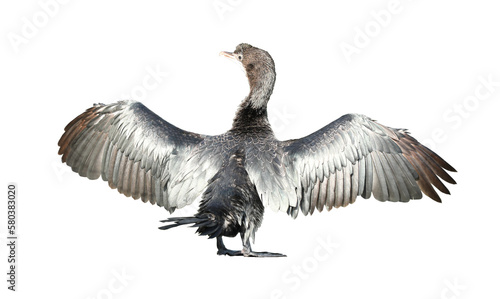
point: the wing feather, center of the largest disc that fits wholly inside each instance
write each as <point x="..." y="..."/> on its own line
<point x="96" y="157"/>
<point x="390" y="178"/>
<point x="369" y="177"/>
<point x="138" y="153"/>
<point x="380" y="190"/>
<point x="361" y="176"/>
<point x="330" y="198"/>
<point x="347" y="188"/>
<point x="409" y="177"/>
<point x="138" y="181"/>
<point x="315" y="196"/>
<point x="323" y="194"/>
<point x="431" y="174"/>
<point x="354" y="183"/>
<point x="339" y="188"/>
<point x="355" y="155"/>
<point x="400" y="186"/>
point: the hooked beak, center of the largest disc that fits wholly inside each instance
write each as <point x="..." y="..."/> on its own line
<point x="229" y="55"/>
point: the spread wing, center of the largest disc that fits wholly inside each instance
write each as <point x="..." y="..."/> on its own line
<point x="355" y="155"/>
<point x="138" y="153"/>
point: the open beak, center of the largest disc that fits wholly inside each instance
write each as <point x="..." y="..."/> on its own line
<point x="229" y="55"/>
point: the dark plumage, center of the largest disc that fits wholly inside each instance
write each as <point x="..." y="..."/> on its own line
<point x="246" y="168"/>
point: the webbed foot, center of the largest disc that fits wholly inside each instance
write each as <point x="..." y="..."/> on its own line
<point x="263" y="254"/>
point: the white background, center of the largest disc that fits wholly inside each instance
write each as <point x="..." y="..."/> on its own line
<point x="416" y="71"/>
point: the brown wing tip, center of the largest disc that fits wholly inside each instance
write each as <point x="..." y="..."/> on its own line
<point x="433" y="195"/>
<point x="438" y="159"/>
<point x="450" y="168"/>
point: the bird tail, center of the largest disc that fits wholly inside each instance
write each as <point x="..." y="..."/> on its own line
<point x="207" y="224"/>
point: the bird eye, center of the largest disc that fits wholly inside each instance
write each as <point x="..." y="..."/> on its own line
<point x="239" y="57"/>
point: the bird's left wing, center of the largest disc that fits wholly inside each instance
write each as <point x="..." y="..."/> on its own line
<point x="138" y="153"/>
<point x="355" y="155"/>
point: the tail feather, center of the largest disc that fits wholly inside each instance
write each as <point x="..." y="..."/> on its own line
<point x="212" y="232"/>
<point x="207" y="224"/>
<point x="178" y="221"/>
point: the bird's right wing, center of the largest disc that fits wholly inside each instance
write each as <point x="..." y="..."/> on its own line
<point x="138" y="153"/>
<point x="355" y="155"/>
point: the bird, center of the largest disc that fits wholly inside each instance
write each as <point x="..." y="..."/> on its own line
<point x="242" y="171"/>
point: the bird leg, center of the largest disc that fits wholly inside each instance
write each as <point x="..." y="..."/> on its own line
<point x="247" y="251"/>
<point x="222" y="250"/>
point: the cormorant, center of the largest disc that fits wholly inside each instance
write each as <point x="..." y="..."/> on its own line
<point x="245" y="169"/>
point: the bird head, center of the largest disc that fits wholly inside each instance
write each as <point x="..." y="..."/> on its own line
<point x="260" y="71"/>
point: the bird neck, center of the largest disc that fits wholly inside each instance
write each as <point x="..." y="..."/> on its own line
<point x="249" y="117"/>
<point x="253" y="110"/>
<point x="261" y="88"/>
